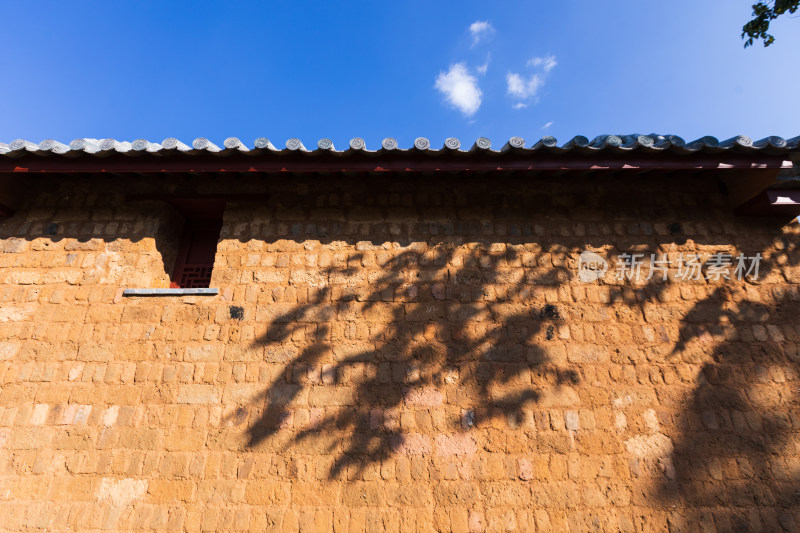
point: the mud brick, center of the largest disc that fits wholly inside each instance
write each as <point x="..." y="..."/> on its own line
<point x="405" y="355"/>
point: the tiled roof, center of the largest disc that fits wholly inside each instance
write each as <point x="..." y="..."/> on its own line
<point x="613" y="143"/>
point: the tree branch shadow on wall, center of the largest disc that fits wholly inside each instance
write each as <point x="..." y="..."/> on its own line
<point x="736" y="448"/>
<point x="435" y="323"/>
<point x="433" y="329"/>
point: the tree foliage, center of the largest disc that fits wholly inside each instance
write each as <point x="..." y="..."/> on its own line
<point x="763" y="14"/>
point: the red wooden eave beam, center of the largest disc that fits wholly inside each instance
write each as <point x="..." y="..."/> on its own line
<point x="121" y="164"/>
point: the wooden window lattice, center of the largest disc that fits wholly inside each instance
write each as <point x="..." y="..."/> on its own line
<point x="195" y="260"/>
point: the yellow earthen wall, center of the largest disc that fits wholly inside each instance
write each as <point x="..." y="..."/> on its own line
<point x="390" y="355"/>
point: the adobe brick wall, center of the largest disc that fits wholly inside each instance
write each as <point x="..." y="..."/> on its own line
<point x="396" y="355"/>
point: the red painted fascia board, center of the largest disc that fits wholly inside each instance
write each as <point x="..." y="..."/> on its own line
<point x="382" y="163"/>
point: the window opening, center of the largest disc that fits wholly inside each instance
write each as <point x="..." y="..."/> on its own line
<point x="197" y="248"/>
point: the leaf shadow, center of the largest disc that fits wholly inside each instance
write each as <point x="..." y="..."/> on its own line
<point x="435" y="331"/>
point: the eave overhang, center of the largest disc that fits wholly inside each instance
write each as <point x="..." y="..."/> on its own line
<point x="747" y="168"/>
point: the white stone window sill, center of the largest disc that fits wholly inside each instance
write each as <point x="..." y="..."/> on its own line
<point x="170" y="292"/>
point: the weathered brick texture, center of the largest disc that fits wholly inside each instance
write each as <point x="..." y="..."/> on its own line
<point x="397" y="355"/>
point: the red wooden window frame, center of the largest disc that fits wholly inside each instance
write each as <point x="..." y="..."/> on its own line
<point x="196" y="251"/>
<point x="198" y="245"/>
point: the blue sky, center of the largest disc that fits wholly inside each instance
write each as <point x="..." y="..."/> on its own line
<point x="370" y="69"/>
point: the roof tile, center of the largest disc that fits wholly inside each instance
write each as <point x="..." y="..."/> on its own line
<point x="579" y="143"/>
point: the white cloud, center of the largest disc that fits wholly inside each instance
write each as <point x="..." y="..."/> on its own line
<point x="481" y="69"/>
<point x="547" y="63"/>
<point x="480" y="29"/>
<point x="460" y="89"/>
<point x="547" y="125"/>
<point x="520" y="105"/>
<point x="522" y="88"/>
